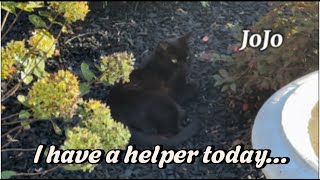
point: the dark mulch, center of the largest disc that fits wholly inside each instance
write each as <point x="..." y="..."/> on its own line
<point x="137" y="27"/>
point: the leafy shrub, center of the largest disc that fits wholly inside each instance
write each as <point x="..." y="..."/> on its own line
<point x="81" y="138"/>
<point x="275" y="67"/>
<point x="55" y="95"/>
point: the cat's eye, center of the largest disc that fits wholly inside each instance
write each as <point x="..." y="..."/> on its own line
<point x="174" y="60"/>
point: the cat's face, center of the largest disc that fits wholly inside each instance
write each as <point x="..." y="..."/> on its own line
<point x="175" y="51"/>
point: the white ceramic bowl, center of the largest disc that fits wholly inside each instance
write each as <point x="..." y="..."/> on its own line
<point x="281" y="125"/>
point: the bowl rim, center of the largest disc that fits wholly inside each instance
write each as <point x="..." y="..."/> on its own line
<point x="295" y="118"/>
<point x="267" y="133"/>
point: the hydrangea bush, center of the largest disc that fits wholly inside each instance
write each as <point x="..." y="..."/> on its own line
<point x="58" y="95"/>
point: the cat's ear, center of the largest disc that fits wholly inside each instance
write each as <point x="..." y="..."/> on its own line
<point x="185" y="37"/>
<point x="163" y="46"/>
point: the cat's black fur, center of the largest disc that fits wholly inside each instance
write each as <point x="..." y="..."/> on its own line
<point x="150" y="103"/>
<point x="167" y="69"/>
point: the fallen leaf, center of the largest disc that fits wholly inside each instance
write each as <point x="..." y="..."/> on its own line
<point x="245" y="107"/>
<point x="56" y="53"/>
<point x="205" y="39"/>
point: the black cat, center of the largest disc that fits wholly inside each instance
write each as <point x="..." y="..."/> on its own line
<point x="149" y="103"/>
<point x="167" y="69"/>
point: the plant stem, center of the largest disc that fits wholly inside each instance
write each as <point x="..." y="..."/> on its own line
<point x="11" y="92"/>
<point x="13" y="138"/>
<point x="11" y="25"/>
<point x="4" y="20"/>
<point x="38" y="173"/>
<point x="10" y="131"/>
<point x="12" y="115"/>
<point x="18" y="149"/>
<point x="16" y="122"/>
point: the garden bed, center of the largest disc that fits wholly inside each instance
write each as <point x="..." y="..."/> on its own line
<point x="137" y="27"/>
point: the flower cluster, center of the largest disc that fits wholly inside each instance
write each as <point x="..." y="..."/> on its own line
<point x="13" y="52"/>
<point x="81" y="138"/>
<point x="71" y="11"/>
<point x="116" y="67"/>
<point x="43" y="41"/>
<point x="97" y="118"/>
<point x="55" y="95"/>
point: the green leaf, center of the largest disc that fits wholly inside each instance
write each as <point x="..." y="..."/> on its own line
<point x="24" y="114"/>
<point x="223" y="73"/>
<point x="218" y="83"/>
<point x="64" y="29"/>
<point x="30" y="6"/>
<point x="71" y="168"/>
<point x="205" y="4"/>
<point x="86" y="72"/>
<point x="9" y="6"/>
<point x="45" y="14"/>
<point x="217" y="77"/>
<point x="7" y="174"/>
<point x="233" y="87"/>
<point x="224" y="88"/>
<point x="39" y="71"/>
<point x="37" y="21"/>
<point x="25" y="125"/>
<point x="84" y="89"/>
<point x="56" y="128"/>
<point x="22" y="99"/>
<point x="26" y="79"/>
